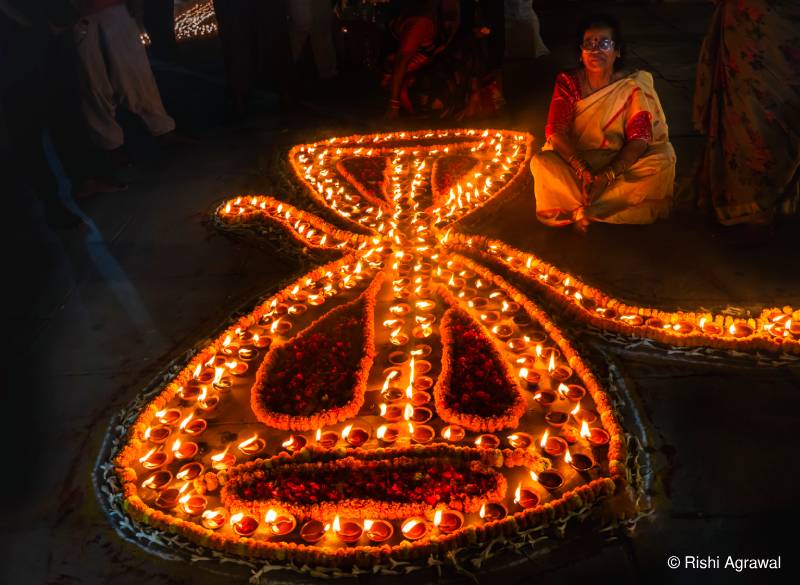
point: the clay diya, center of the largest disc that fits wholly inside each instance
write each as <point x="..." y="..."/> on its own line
<point x="491" y="511"/>
<point x="187" y="450"/>
<point x="348" y="531"/>
<point x="598" y="437"/>
<point x="327" y="439"/>
<point x="387" y="434"/>
<point x="279" y="524"/>
<point x="253" y="445"/>
<point x="520" y="440"/>
<point x="190" y="471"/>
<point x="487" y="441"/>
<point x="355" y="435"/>
<point x="415" y="528"/>
<point x="312" y="531"/>
<point x="545" y="398"/>
<point x="224" y="460"/>
<point x="549" y="479"/>
<point x="169" y="417"/>
<point x="157" y="435"/>
<point x="581" y="461"/>
<point x="526" y="497"/>
<point x="392" y="412"/>
<point x="168" y="498"/>
<point x="294" y="443"/>
<point x="453" y="433"/>
<point x="214" y="519"/>
<point x="243" y="525"/>
<point x="157" y="480"/>
<point x="556" y="418"/>
<point x="553" y="446"/>
<point x="153" y="459"/>
<point x="448" y="521"/>
<point x="421" y="433"/>
<point x="193" y="504"/>
<point x="378" y="531"/>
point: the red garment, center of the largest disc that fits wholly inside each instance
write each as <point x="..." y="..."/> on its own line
<point x="89" y="7"/>
<point x="416" y="34"/>
<point x="562" y="112"/>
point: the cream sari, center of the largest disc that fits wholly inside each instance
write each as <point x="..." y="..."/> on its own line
<point x="643" y="193"/>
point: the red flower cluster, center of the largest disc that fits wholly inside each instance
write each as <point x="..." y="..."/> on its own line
<point x="402" y="481"/>
<point x="478" y="384"/>
<point x="447" y="172"/>
<point x="366" y="174"/>
<point x="317" y="371"/>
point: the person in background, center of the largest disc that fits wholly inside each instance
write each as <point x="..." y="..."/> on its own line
<point x="747" y="104"/>
<point x="312" y="21"/>
<point x="255" y="47"/>
<point x="114" y="70"/>
<point x="607" y="156"/>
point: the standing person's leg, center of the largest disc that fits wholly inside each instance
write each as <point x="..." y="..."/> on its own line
<point x="322" y="38"/>
<point x="97" y="94"/>
<point x="130" y="73"/>
<point x="273" y="47"/>
<point x="300" y="17"/>
<point x="235" y="28"/>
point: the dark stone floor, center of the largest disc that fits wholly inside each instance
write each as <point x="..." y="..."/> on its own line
<point x="109" y="306"/>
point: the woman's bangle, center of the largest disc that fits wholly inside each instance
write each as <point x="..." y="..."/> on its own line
<point x="610" y="175"/>
<point x="578" y="164"/>
<point x="394" y="103"/>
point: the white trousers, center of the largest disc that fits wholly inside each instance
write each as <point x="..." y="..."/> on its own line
<point x="311" y="20"/>
<point x="114" y="70"/>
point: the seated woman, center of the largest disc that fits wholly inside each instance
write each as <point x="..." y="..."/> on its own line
<point x="607" y="156"/>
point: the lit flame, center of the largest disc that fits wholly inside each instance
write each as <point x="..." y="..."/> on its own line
<point x="244" y="444"/>
<point x="383" y="409"/>
<point x="218" y="374"/>
<point x="732" y="329"/>
<point x="702" y="323"/>
<point x="368" y="524"/>
<point x="518" y="493"/>
<point x="539" y="350"/>
<point x="221" y="455"/>
<point x="318" y="435"/>
<point x="346" y="433"/>
<point x="270" y="516"/>
<point x="381" y="432"/>
<point x="236" y="518"/>
<point x="585" y="433"/>
<point x="534" y="477"/>
<point x="185" y="421"/>
<point x="176" y="445"/>
<point x="288" y="443"/>
<point x="567" y="456"/>
<point x="482" y="513"/>
<point x="447" y="434"/>
<point x="575" y="410"/>
<point x="552" y="364"/>
<point x="543" y="442"/>
<point x="147" y="455"/>
<point x="409" y="525"/>
<point x="408" y="412"/>
<point x="563" y="389"/>
<point x="336" y="524"/>
<point x="197" y="370"/>
<point x="437" y="518"/>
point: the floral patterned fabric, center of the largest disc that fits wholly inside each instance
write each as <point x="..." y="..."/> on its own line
<point x="747" y="103"/>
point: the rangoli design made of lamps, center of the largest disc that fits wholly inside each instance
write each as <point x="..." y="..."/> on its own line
<point x="404" y="402"/>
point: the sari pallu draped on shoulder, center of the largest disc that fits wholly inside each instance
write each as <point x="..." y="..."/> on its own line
<point x="644" y="191"/>
<point x="747" y="103"/>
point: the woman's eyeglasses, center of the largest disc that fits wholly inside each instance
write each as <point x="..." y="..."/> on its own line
<point x="594" y="45"/>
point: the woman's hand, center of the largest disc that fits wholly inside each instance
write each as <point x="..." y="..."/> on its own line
<point x="598" y="184"/>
